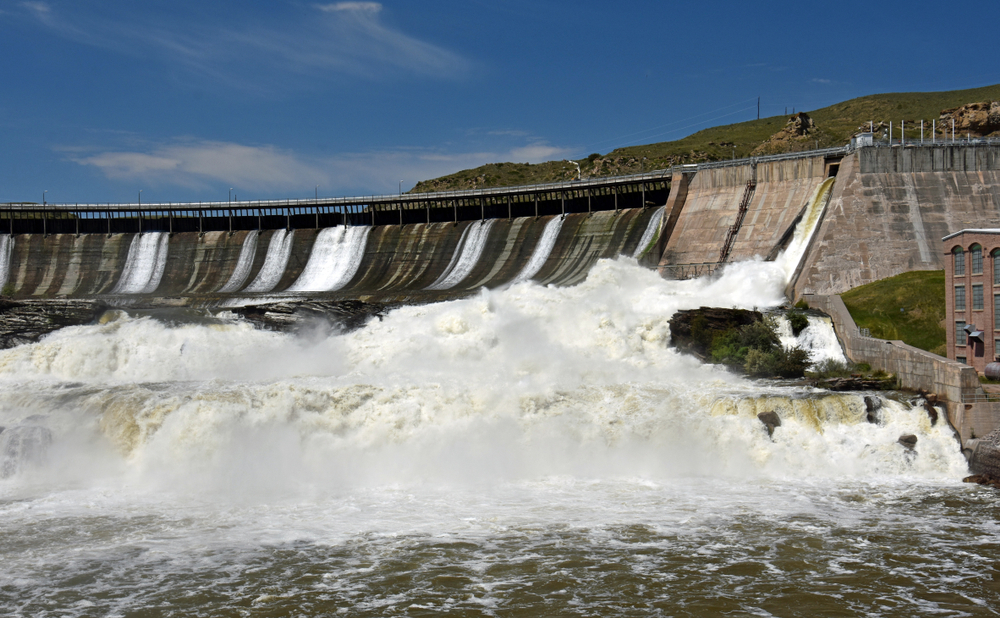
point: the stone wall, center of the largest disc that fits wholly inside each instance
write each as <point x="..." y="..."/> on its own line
<point x="955" y="383"/>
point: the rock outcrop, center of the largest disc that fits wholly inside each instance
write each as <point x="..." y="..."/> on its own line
<point x="980" y="119"/>
<point x="293" y="316"/>
<point x="693" y="330"/>
<point x="27" y="321"/>
<point x="797" y="134"/>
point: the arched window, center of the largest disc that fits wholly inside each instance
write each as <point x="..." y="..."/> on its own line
<point x="959" y="254"/>
<point x="996" y="271"/>
<point x="977" y="260"/>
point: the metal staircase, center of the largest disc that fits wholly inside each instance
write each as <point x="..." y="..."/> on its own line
<point x="734" y="229"/>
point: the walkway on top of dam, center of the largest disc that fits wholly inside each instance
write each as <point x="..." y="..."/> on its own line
<point x="577" y="196"/>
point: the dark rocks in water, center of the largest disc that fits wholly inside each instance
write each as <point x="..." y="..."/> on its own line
<point x="873" y="408"/>
<point x="770" y="421"/>
<point x="293" y="316"/>
<point x="932" y="412"/>
<point x="27" y="321"/>
<point x="693" y="330"/>
<point x="908" y="440"/>
<point x="983" y="479"/>
<point x="21" y="446"/>
<point x="854" y="384"/>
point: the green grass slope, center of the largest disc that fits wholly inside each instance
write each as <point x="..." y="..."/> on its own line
<point x="909" y="307"/>
<point x="834" y="127"/>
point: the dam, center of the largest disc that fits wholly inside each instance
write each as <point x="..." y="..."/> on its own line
<point x="515" y="437"/>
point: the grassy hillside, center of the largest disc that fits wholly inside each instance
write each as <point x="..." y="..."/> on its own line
<point x="834" y="127"/>
<point x="909" y="307"/>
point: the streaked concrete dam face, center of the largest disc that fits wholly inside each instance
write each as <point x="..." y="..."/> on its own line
<point x="414" y="262"/>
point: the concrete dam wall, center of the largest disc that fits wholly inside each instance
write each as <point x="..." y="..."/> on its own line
<point x="887" y="212"/>
<point x="417" y="261"/>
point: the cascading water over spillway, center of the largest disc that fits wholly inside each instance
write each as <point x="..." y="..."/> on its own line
<point x="542" y="250"/>
<point x="147" y="259"/>
<point x="652" y="230"/>
<point x="6" y="245"/>
<point x="278" y="252"/>
<point x="334" y="259"/>
<point x="243" y="265"/>
<point x="466" y="256"/>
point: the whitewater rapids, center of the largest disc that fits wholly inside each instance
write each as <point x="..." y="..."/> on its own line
<point x="498" y="453"/>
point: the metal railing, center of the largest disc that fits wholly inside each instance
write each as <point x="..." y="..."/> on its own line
<point x="978" y="395"/>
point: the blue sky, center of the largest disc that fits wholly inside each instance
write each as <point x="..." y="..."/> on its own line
<point x="184" y="99"/>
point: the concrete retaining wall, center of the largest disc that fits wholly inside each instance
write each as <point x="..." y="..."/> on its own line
<point x="915" y="369"/>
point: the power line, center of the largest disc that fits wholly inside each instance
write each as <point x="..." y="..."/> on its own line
<point x="621" y="137"/>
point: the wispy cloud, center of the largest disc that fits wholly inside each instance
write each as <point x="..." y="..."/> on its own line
<point x="318" y="41"/>
<point x="266" y="169"/>
<point x="819" y="80"/>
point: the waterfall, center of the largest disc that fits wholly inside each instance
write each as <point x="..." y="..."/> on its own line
<point x="542" y="250"/>
<point x="470" y="247"/>
<point x="6" y="245"/>
<point x="791" y="257"/>
<point x="243" y="264"/>
<point x="819" y="339"/>
<point x="650" y="234"/>
<point x="22" y="446"/>
<point x="144" y="266"/>
<point x="278" y="252"/>
<point x="334" y="260"/>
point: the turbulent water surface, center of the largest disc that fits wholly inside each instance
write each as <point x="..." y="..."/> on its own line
<point x="528" y="451"/>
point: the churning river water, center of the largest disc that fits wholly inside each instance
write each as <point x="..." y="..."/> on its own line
<point x="527" y="451"/>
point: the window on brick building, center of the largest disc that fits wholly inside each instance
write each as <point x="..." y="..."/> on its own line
<point x="977" y="260"/>
<point x="996" y="267"/>
<point x="959" y="298"/>
<point x="960" y="332"/>
<point x="959" y="261"/>
<point x="961" y="359"/>
<point x="977" y="297"/>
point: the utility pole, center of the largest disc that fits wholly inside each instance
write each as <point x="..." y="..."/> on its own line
<point x="758" y="108"/>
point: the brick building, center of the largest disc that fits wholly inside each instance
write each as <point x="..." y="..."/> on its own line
<point x="972" y="293"/>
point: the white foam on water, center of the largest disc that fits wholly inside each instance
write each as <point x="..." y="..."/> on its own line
<point x="818" y="338"/>
<point x="144" y="266"/>
<point x="278" y="252"/>
<point x="528" y="425"/>
<point x="6" y="246"/>
<point x="334" y="259"/>
<point x="470" y="248"/>
<point x="542" y="250"/>
<point x="647" y="236"/>
<point x="243" y="264"/>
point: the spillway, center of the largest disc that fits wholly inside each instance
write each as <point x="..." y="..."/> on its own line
<point x="6" y="244"/>
<point x="470" y="248"/>
<point x="334" y="260"/>
<point x="147" y="258"/>
<point x="243" y="265"/>
<point x="279" y="249"/>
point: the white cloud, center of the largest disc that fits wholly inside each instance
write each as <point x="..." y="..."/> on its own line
<point x="821" y="81"/>
<point x="318" y="42"/>
<point x="270" y="170"/>
<point x="373" y="7"/>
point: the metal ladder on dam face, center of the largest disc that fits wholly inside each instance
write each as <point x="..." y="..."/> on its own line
<point x="734" y="229"/>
